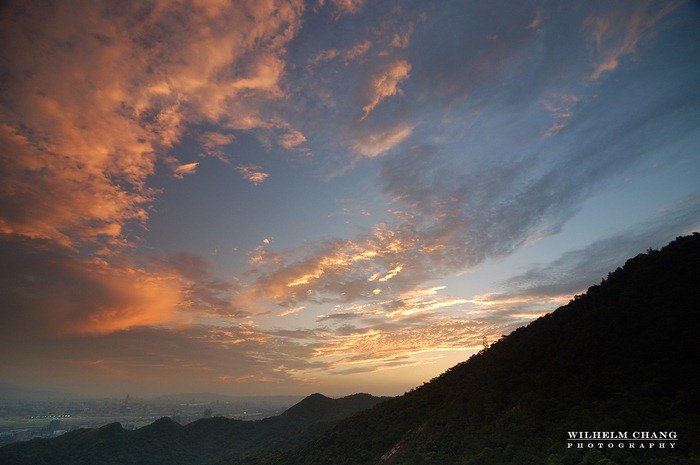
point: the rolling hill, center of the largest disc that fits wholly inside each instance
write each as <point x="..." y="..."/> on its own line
<point x="200" y="442"/>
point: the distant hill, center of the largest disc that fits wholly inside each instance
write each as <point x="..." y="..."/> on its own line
<point x="204" y="441"/>
<point x="622" y="357"/>
<point x="209" y="397"/>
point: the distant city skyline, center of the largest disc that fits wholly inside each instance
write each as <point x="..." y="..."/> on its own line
<point x="335" y="196"/>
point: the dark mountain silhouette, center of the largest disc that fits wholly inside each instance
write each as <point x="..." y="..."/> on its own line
<point x="200" y="442"/>
<point x="621" y="357"/>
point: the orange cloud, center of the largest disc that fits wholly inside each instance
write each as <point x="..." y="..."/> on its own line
<point x="128" y="89"/>
<point x="291" y="139"/>
<point x="145" y="299"/>
<point x="561" y="107"/>
<point x="291" y="311"/>
<point x="347" y="6"/>
<point x="347" y="56"/>
<point x="357" y="50"/>
<point x="371" y="348"/>
<point x="386" y="84"/>
<point x="378" y="142"/>
<point x="71" y="294"/>
<point x="212" y="143"/>
<point x="183" y="170"/>
<point x="615" y="37"/>
<point x="339" y="270"/>
<point x="253" y="174"/>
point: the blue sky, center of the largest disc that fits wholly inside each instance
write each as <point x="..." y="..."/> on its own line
<point x="341" y="195"/>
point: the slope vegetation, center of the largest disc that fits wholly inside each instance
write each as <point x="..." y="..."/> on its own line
<point x="201" y="442"/>
<point x="621" y="357"/>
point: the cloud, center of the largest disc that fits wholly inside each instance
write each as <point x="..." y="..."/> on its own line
<point x="291" y="311"/>
<point x="343" y="7"/>
<point x="482" y="187"/>
<point x="239" y="358"/>
<point x="368" y="337"/>
<point x="561" y="107"/>
<point x="378" y="142"/>
<point x="356" y="51"/>
<point x="346" y="56"/>
<point x="385" y="84"/>
<point x="617" y="34"/>
<point x="183" y="170"/>
<point x="47" y="289"/>
<point x="578" y="269"/>
<point x="212" y="143"/>
<point x="141" y="81"/>
<point x="291" y="139"/>
<point x="376" y="344"/>
<point x="402" y="39"/>
<point x="133" y="78"/>
<point x="202" y="294"/>
<point x="536" y="20"/>
<point x="253" y="174"/>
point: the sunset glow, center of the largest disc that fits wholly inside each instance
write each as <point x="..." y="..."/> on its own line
<point x="285" y="197"/>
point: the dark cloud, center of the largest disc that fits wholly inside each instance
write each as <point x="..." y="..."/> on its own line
<point x="50" y="288"/>
<point x="156" y="360"/>
<point x="203" y="292"/>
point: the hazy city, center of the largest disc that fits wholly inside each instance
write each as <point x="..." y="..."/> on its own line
<point x="24" y="416"/>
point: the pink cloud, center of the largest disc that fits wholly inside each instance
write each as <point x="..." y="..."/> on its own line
<point x="386" y="84"/>
<point x="183" y="170"/>
<point x="128" y="91"/>
<point x="253" y="174"/>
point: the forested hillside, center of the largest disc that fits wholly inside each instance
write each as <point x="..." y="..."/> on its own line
<point x="621" y="357"/>
<point x="200" y="442"/>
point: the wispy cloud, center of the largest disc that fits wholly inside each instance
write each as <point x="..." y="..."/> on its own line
<point x="385" y="84"/>
<point x="346" y="56"/>
<point x="212" y="143"/>
<point x="561" y="107"/>
<point x="574" y="271"/>
<point x="618" y="34"/>
<point x="378" y="142"/>
<point x="183" y="170"/>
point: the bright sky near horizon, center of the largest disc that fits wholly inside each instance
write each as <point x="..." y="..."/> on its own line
<point x="285" y="197"/>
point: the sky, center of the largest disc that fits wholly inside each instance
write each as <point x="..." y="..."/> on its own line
<point x="336" y="196"/>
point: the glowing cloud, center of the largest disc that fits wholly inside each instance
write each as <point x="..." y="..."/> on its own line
<point x="213" y="143"/>
<point x="386" y="84"/>
<point x="253" y="174"/>
<point x="128" y="90"/>
<point x="347" y="6"/>
<point x="347" y="55"/>
<point x="183" y="170"/>
<point x="376" y="143"/>
<point x="291" y="139"/>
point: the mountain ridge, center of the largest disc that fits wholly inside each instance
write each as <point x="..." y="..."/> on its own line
<point x="207" y="440"/>
<point x="623" y="355"/>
